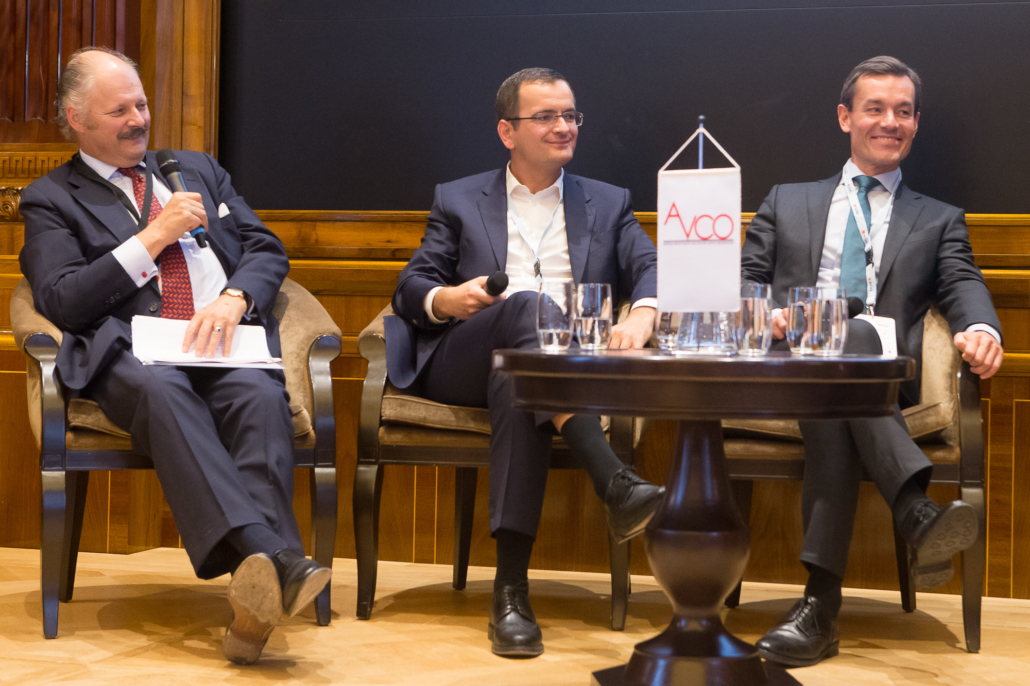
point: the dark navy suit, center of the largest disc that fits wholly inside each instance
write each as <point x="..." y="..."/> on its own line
<point x="467" y="237"/>
<point x="221" y="441"/>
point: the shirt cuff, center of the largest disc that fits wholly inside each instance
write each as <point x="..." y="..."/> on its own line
<point x="428" y="305"/>
<point x="135" y="260"/>
<point x="645" y="302"/>
<point x="985" y="327"/>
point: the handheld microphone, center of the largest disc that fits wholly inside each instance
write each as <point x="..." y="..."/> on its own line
<point x="171" y="170"/>
<point x="496" y="284"/>
<point x="855" y="307"/>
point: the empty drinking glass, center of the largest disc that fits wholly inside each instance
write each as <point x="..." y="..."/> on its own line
<point x="593" y="314"/>
<point x="666" y="327"/>
<point x="753" y="323"/>
<point x="554" y="315"/>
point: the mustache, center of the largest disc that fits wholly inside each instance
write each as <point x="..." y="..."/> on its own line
<point x="134" y="132"/>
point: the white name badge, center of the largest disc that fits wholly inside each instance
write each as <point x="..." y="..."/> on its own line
<point x="886" y="330"/>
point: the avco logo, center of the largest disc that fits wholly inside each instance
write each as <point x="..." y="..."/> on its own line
<point x="703" y="226"/>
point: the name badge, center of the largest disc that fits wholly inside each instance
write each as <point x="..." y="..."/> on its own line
<point x="886" y="330"/>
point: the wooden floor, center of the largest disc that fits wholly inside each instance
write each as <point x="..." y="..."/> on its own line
<point x="145" y="619"/>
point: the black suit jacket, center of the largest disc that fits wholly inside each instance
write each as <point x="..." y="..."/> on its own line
<point x="73" y="223"/>
<point x="926" y="259"/>
<point x="467" y="236"/>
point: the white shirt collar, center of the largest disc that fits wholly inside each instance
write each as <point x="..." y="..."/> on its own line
<point x="105" y="170"/>
<point x="512" y="184"/>
<point x="890" y="180"/>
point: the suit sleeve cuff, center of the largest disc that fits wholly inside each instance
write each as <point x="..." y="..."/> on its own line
<point x="987" y="328"/>
<point x="645" y="302"/>
<point x="428" y="305"/>
<point x="135" y="260"/>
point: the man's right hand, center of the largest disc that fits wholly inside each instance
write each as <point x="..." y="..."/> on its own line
<point x="183" y="213"/>
<point x="779" y="322"/>
<point x="463" y="301"/>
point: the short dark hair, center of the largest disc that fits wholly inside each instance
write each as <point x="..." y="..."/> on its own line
<point x="507" y="104"/>
<point x="884" y="65"/>
<point x="76" y="82"/>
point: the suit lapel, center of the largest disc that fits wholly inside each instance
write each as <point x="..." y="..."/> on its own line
<point x="101" y="202"/>
<point x="903" y="220"/>
<point x="819" y="198"/>
<point x="493" y="209"/>
<point x="579" y="220"/>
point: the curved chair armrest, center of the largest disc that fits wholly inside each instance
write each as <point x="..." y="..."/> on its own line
<point x="26" y="321"/>
<point x="970" y="421"/>
<point x="372" y="346"/>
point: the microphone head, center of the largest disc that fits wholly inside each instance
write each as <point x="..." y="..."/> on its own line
<point x="496" y="284"/>
<point x="855" y="307"/>
<point x="167" y="163"/>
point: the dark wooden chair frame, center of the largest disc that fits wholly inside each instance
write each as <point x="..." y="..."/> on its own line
<point x="968" y="475"/>
<point x="65" y="476"/>
<point x="368" y="483"/>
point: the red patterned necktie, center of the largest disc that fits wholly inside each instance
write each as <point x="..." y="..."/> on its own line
<point x="176" y="289"/>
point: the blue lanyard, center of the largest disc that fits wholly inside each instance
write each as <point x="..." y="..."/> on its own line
<point x="520" y="224"/>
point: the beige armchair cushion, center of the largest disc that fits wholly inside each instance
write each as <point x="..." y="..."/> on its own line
<point x="934" y="421"/>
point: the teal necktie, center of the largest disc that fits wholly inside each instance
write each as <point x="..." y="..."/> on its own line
<point x="852" y="256"/>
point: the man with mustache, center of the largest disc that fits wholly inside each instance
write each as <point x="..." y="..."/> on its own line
<point x="107" y="240"/>
<point x="899" y="251"/>
<point x="532" y="221"/>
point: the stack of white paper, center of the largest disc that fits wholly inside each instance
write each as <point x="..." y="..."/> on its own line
<point x="159" y="341"/>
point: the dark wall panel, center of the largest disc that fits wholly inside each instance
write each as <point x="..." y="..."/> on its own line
<point x="365" y="106"/>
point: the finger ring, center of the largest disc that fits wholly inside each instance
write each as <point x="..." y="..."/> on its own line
<point x="218" y="329"/>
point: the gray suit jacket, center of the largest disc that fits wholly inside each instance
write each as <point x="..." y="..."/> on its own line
<point x="926" y="259"/>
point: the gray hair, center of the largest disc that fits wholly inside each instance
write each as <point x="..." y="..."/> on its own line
<point x="506" y="105"/>
<point x="884" y="65"/>
<point x="76" y="83"/>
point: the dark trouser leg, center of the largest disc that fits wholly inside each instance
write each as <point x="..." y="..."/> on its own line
<point x="208" y="493"/>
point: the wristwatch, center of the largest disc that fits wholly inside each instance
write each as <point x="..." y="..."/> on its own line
<point x="236" y="293"/>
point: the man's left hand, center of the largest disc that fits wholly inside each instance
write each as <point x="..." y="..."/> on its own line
<point x="981" y="350"/>
<point x="224" y="313"/>
<point x="635" y="331"/>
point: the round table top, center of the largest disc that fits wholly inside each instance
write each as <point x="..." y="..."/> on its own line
<point x="658" y="384"/>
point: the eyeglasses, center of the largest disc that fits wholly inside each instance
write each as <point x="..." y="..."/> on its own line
<point x="549" y="119"/>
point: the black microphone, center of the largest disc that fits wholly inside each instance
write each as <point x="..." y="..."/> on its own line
<point x="496" y="284"/>
<point x="171" y="170"/>
<point x="855" y="307"/>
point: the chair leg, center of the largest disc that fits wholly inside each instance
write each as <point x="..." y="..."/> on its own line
<point x="619" y="554"/>
<point x="323" y="533"/>
<point x="974" y="566"/>
<point x="464" y="509"/>
<point x="742" y="490"/>
<point x="51" y="546"/>
<point x="906" y="578"/>
<point x="75" y="486"/>
<point x="368" y="485"/>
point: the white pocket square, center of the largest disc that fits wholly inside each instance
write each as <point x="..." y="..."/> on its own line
<point x="222" y="210"/>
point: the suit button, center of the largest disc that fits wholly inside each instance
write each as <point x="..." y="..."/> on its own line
<point x="153" y="307"/>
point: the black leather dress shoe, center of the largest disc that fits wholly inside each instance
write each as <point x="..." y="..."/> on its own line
<point x="257" y="604"/>
<point x="934" y="535"/>
<point x="807" y="635"/>
<point x="630" y="502"/>
<point x="301" y="579"/>
<point x="513" y="629"/>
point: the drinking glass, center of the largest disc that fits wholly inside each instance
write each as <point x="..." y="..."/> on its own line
<point x="593" y="313"/>
<point x="666" y="327"/>
<point x="753" y="323"/>
<point x="554" y="314"/>
<point x="817" y="320"/>
<point x="706" y="333"/>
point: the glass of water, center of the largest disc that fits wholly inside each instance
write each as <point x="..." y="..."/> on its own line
<point x="706" y="333"/>
<point x="666" y="327"/>
<point x="753" y="323"/>
<point x="593" y="314"/>
<point x="817" y="320"/>
<point x="555" y="314"/>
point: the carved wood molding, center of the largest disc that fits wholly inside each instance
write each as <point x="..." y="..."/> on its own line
<point x="27" y="166"/>
<point x="10" y="200"/>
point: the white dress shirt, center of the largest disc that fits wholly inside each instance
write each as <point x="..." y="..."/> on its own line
<point x="837" y="222"/>
<point x="206" y="274"/>
<point x="536" y="211"/>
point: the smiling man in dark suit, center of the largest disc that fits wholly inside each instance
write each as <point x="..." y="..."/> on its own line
<point x="532" y="221"/>
<point x="899" y="251"/>
<point x="106" y="240"/>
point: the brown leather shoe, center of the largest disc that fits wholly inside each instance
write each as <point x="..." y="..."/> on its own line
<point x="257" y="605"/>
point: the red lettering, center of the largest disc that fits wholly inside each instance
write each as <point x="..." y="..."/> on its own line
<point x="696" y="226"/>
<point x="716" y="223"/>
<point x="673" y="212"/>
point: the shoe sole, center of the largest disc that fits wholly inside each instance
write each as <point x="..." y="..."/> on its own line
<point x="257" y="605"/>
<point x="311" y="587"/>
<point x="636" y="530"/>
<point x="513" y="651"/>
<point x="831" y="650"/>
<point x="955" y="531"/>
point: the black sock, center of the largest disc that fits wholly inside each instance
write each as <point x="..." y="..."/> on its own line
<point x="513" y="551"/>
<point x="585" y="438"/>
<point x="825" y="586"/>
<point x="911" y="493"/>
<point x="251" y="539"/>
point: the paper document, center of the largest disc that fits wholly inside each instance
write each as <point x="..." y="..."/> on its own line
<point x="159" y="341"/>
